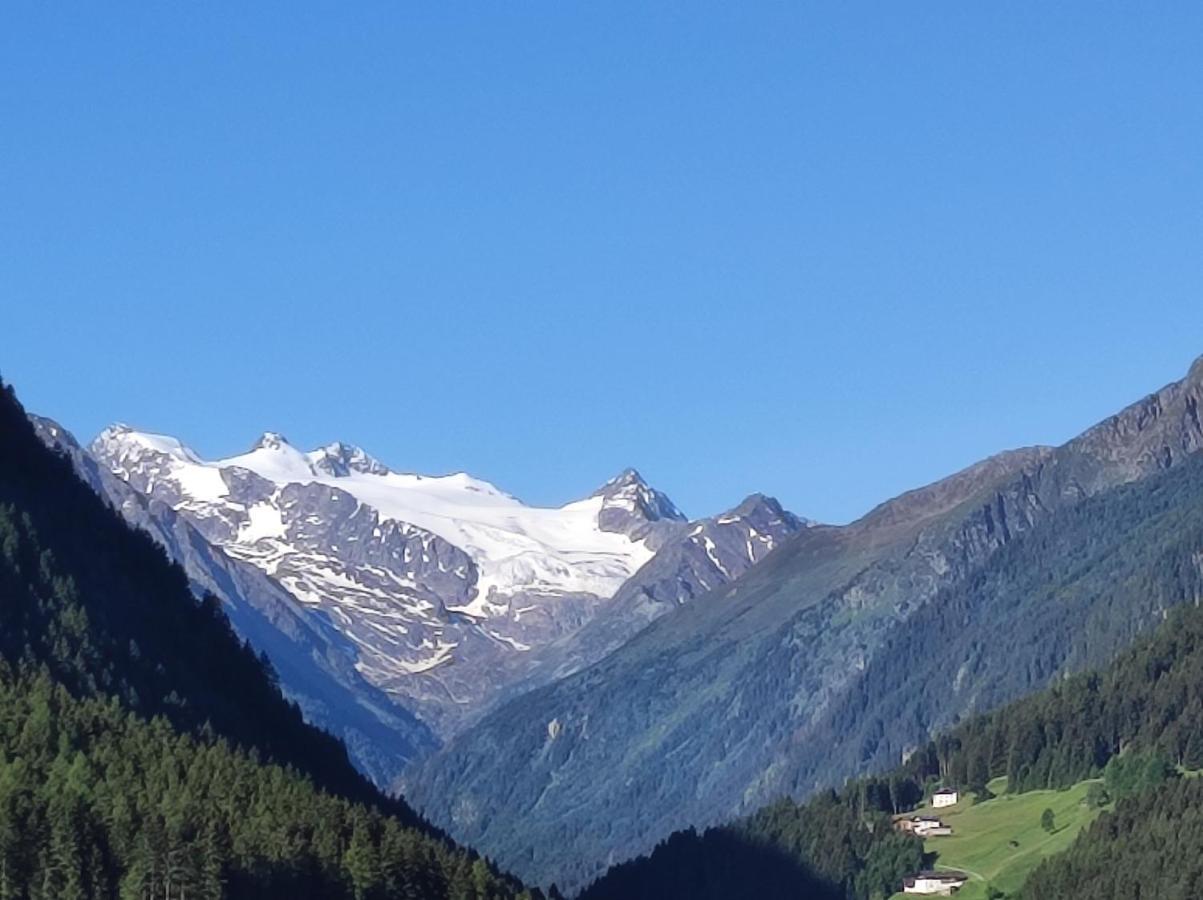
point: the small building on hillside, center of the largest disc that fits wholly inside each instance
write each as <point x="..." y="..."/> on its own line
<point x="923" y="826"/>
<point x="934" y="884"/>
<point x="945" y="797"/>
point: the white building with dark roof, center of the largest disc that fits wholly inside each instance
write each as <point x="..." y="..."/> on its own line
<point x="934" y="884"/>
<point x="945" y="797"/>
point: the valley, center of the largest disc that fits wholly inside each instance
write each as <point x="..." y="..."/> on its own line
<point x="817" y="664"/>
<point x="652" y="649"/>
<point x="497" y="657"/>
<point x="618" y="451"/>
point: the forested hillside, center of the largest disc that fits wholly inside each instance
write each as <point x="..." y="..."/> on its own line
<point x="96" y="802"/>
<point x="1149" y="848"/>
<point x="1132" y="722"/>
<point x="1149" y="701"/>
<point x="1065" y="597"/>
<point x="144" y="751"/>
<point x="101" y="607"/>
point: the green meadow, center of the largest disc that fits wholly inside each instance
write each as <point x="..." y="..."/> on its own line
<point x="999" y="841"/>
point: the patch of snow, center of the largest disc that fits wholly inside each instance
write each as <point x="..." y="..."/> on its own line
<point x="710" y="548"/>
<point x="265" y="522"/>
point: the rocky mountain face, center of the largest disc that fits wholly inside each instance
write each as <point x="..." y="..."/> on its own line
<point x="314" y="661"/>
<point x="692" y="560"/>
<point x="631" y="507"/>
<point x="444" y="595"/>
<point x="722" y="703"/>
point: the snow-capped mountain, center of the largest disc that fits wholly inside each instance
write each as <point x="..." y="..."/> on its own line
<point x="691" y="560"/>
<point x="314" y="661"/>
<point x="439" y="581"/>
<point x="449" y="593"/>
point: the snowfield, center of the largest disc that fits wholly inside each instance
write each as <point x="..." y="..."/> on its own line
<point x="514" y="546"/>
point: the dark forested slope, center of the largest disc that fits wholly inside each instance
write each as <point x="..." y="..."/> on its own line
<point x="145" y="751"/>
<point x="96" y="802"/>
<point x="101" y="607"/>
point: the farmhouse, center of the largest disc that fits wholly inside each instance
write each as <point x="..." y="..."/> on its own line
<point x="945" y="797"/>
<point x="923" y="826"/>
<point x="939" y="884"/>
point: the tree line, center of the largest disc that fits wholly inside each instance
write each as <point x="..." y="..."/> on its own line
<point x="96" y="802"/>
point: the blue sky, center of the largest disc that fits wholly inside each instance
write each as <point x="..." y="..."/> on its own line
<point x="826" y="251"/>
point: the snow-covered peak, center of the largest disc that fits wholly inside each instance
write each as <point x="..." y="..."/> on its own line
<point x="628" y="477"/>
<point x="273" y="458"/>
<point x="270" y="440"/>
<point x="628" y="498"/>
<point x="157" y="465"/>
<point x="340" y="460"/>
<point x="122" y="439"/>
<point x="513" y="546"/>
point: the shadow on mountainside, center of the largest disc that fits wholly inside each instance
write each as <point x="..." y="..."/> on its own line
<point x="720" y="864"/>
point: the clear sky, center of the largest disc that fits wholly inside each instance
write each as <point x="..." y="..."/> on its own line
<point x="828" y="251"/>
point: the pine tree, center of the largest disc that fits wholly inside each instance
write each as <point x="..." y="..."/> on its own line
<point x="362" y="861"/>
<point x="1048" y="821"/>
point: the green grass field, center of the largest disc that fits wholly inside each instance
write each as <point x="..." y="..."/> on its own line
<point x="981" y="842"/>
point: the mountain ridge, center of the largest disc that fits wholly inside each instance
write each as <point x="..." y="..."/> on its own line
<point x="404" y="608"/>
<point x="723" y="685"/>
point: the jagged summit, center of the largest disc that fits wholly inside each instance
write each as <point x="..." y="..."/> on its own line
<point x="270" y="440"/>
<point x="629" y="475"/>
<point x="340" y="460"/>
<point x="763" y="508"/>
<point x="630" y="505"/>
<point x="122" y="442"/>
<point x="1195" y="372"/>
<point x="626" y="479"/>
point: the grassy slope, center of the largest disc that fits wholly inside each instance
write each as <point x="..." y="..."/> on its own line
<point x="980" y="843"/>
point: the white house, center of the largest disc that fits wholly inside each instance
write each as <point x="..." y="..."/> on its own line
<point x="939" y="884"/>
<point x="923" y="826"/>
<point x="929" y="826"/>
<point x="945" y="797"/>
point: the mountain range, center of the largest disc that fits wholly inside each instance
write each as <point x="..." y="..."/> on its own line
<point x="562" y="687"/>
<point x="839" y="652"/>
<point x="399" y="608"/>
